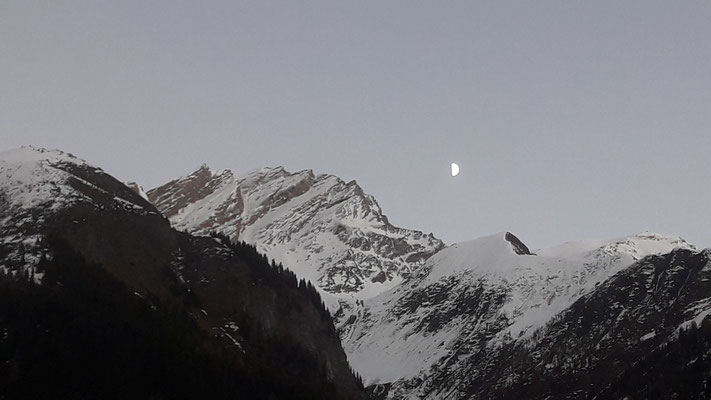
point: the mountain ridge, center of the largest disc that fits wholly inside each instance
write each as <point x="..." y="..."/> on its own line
<point x="480" y="291"/>
<point x="333" y="222"/>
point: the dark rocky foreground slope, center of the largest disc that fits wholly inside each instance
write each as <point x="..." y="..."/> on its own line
<point x="101" y="298"/>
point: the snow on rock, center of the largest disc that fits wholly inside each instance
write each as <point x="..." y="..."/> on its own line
<point x="30" y="177"/>
<point x="322" y="228"/>
<point x="484" y="292"/>
<point x="37" y="178"/>
<point x="696" y="313"/>
<point x="487" y="255"/>
<point x="138" y="189"/>
<point x="548" y="282"/>
<point x="35" y="183"/>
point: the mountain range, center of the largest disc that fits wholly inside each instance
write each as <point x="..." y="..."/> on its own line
<point x="415" y="318"/>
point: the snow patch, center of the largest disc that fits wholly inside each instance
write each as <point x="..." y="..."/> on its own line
<point x="648" y="336"/>
<point x="699" y="311"/>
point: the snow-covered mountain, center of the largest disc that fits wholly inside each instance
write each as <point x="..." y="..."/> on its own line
<point x="91" y="261"/>
<point x="51" y="179"/>
<point x="472" y="298"/>
<point x="642" y="334"/>
<point x="322" y="228"/>
<point x="35" y="185"/>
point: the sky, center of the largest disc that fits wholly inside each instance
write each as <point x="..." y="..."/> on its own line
<point x="569" y="120"/>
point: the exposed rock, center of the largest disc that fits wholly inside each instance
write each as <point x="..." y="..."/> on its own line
<point x="326" y="230"/>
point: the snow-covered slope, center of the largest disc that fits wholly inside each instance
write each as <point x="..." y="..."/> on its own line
<point x="37" y="183"/>
<point x="474" y="296"/>
<point x="320" y="227"/>
<point x="643" y="333"/>
<point x="550" y="280"/>
<point x="30" y="177"/>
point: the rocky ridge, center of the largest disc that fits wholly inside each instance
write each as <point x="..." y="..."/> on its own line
<point x="326" y="230"/>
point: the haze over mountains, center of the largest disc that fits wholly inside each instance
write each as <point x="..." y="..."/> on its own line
<point x="488" y="318"/>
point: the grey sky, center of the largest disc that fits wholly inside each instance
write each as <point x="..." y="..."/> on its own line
<point x="570" y="120"/>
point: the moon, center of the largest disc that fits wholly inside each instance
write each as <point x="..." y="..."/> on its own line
<point x="455" y="169"/>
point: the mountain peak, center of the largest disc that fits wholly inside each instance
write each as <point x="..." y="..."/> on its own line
<point x="30" y="176"/>
<point x="504" y="255"/>
<point x="203" y="170"/>
<point x="326" y="230"/>
<point x="32" y="154"/>
<point x="33" y="177"/>
<point x="495" y="254"/>
<point x="663" y="238"/>
<point x="277" y="168"/>
<point x="267" y="171"/>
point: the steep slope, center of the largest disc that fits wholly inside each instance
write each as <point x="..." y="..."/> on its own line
<point x="604" y="344"/>
<point x="324" y="229"/>
<point x="471" y="299"/>
<point x="271" y="330"/>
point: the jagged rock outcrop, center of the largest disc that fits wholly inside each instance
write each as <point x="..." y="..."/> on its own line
<point x="326" y="230"/>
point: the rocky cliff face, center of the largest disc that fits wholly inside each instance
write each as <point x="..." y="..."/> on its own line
<point x="324" y="229"/>
<point x="269" y="326"/>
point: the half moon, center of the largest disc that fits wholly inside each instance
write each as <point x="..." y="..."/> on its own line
<point x="455" y="169"/>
